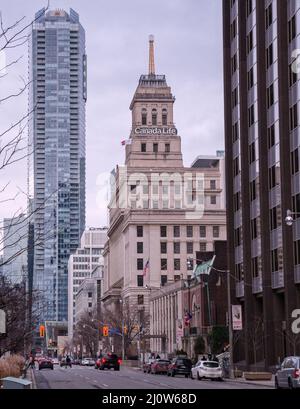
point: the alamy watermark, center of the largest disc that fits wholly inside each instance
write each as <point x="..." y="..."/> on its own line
<point x="2" y="322"/>
<point x="154" y="191"/>
<point x="296" y="323"/>
<point x="2" y="63"/>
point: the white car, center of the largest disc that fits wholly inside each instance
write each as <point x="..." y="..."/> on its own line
<point x="88" y="362"/>
<point x="207" y="370"/>
<point x="55" y="361"/>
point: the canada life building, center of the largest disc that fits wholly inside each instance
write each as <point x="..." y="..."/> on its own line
<point x="57" y="134"/>
<point x="262" y="170"/>
<point x="156" y="227"/>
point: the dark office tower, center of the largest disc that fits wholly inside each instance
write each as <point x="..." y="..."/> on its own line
<point x="57" y="71"/>
<point x="262" y="167"/>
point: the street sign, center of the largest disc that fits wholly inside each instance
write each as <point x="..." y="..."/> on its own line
<point x="2" y="322"/>
<point x="237" y="321"/>
<point x="204" y="267"/>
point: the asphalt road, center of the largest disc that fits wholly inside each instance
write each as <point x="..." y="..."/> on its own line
<point x="79" y="377"/>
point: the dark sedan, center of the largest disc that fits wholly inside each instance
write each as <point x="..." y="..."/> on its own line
<point x="46" y="363"/>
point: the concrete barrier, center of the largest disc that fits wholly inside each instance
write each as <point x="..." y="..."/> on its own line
<point x="15" y="383"/>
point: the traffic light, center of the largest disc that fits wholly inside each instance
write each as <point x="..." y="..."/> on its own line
<point x="105" y="331"/>
<point x="42" y="331"/>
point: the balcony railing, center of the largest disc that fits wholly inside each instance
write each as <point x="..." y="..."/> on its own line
<point x="277" y="279"/>
<point x="240" y="289"/>
<point x="297" y="274"/>
<point x="257" y="285"/>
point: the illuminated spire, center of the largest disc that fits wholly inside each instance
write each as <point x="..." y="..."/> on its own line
<point x="151" y="55"/>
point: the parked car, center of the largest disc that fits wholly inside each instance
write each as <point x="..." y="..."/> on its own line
<point x="45" y="363"/>
<point x="108" y="361"/>
<point x="77" y="361"/>
<point x="180" y="366"/>
<point x="88" y="362"/>
<point x="159" y="366"/>
<point x="55" y="361"/>
<point x="64" y="362"/>
<point x="147" y="365"/>
<point x="288" y="373"/>
<point x="207" y="370"/>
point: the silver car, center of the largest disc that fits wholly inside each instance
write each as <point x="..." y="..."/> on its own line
<point x="288" y="374"/>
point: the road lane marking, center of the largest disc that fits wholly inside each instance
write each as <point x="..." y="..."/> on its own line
<point x="104" y="384"/>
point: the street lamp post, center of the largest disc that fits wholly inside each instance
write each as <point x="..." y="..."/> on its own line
<point x="289" y="220"/>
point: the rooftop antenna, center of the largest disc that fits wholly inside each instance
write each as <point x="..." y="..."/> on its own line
<point x="151" y="55"/>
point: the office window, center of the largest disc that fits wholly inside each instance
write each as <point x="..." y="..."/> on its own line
<point x="155" y="147"/>
<point x="90" y="305"/>
<point x="236" y="166"/>
<point x="176" y="277"/>
<point x="252" y="155"/>
<point x="154" y="117"/>
<point x="295" y="161"/>
<point x="163" y="280"/>
<point x="271" y="136"/>
<point x="190" y="264"/>
<point x="237" y="201"/>
<point x="234" y="97"/>
<point x="140" y="281"/>
<point x="254" y="267"/>
<point x="163" y="264"/>
<point x="90" y="294"/>
<point x="293" y="117"/>
<point x="235" y="132"/>
<point x="176" y="231"/>
<point x="144" y="116"/>
<point x="292" y="28"/>
<point x="143" y="147"/>
<point x="140" y="247"/>
<point x="250" y="42"/>
<point x="234" y="64"/>
<point x="216" y="231"/>
<point x="203" y="247"/>
<point x="270" y="96"/>
<point x="252" y="190"/>
<point x="213" y="184"/>
<point x="292" y="75"/>
<point x="249" y="7"/>
<point x="164" y="117"/>
<point x="163" y="231"/>
<point x="239" y="272"/>
<point x="139" y="231"/>
<point x="202" y="231"/>
<point x="190" y="247"/>
<point x="253" y="229"/>
<point x="269" y="55"/>
<point x="296" y="204"/>
<point x="251" y="116"/>
<point x="176" y="264"/>
<point x="140" y="299"/>
<point x="250" y="79"/>
<point x="167" y="148"/>
<point x="233" y="29"/>
<point x="237" y="237"/>
<point x="163" y="248"/>
<point x="297" y="252"/>
<point x="189" y="231"/>
<point x="176" y="247"/>
<point x="269" y="16"/>
<point x="213" y="200"/>
<point x="140" y="264"/>
<point x="273" y="218"/>
<point x="274" y="261"/>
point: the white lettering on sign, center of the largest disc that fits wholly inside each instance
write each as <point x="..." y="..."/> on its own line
<point x="155" y="131"/>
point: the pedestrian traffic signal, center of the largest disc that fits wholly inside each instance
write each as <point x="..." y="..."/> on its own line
<point x="125" y="330"/>
<point x="105" y="331"/>
<point x="42" y="331"/>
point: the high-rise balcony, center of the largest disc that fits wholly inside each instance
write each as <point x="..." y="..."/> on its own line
<point x="257" y="285"/>
<point x="240" y="289"/>
<point x="277" y="279"/>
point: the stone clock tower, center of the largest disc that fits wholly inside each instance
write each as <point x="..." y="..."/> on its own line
<point x="155" y="142"/>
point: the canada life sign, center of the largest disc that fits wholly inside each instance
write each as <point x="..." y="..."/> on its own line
<point x="155" y="131"/>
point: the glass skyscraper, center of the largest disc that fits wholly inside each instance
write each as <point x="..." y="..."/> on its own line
<point x="57" y="99"/>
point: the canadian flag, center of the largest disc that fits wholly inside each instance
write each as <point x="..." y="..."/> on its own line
<point x="126" y="142"/>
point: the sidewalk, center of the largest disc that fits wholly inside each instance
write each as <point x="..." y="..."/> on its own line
<point x="31" y="377"/>
<point x="268" y="384"/>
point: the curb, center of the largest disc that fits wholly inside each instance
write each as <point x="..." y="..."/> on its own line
<point x="32" y="378"/>
<point x="249" y="383"/>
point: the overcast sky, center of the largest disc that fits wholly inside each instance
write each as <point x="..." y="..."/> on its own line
<point x="188" y="50"/>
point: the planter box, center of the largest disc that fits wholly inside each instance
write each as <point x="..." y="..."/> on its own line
<point x="258" y="376"/>
<point x="238" y="373"/>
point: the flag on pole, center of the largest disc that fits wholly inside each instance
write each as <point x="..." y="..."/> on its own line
<point x="146" y="268"/>
<point x="126" y="142"/>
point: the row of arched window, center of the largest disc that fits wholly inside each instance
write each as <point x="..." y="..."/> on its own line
<point x="154" y="115"/>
